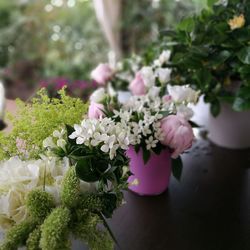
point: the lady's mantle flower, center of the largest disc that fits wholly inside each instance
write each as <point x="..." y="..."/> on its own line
<point x="236" y="22"/>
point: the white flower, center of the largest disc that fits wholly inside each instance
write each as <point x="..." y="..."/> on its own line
<point x="59" y="134"/>
<point x="157" y="63"/>
<point x="154" y="92"/>
<point x="181" y="94"/>
<point x="61" y="143"/>
<point x="98" y="95"/>
<point x="148" y="76"/>
<point x="164" y="56"/>
<point x="151" y="142"/>
<point x="164" y="75"/>
<point x="185" y="111"/>
<point x="49" y="143"/>
<point x="111" y="91"/>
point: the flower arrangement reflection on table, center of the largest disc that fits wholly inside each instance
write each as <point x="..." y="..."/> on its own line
<point x="67" y="187"/>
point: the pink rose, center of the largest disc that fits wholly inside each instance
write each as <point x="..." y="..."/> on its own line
<point x="178" y="134"/>
<point x="137" y="86"/>
<point x="95" y="110"/>
<point x="102" y="73"/>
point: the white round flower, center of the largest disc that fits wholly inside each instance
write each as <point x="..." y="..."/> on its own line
<point x="164" y="75"/>
<point x="98" y="95"/>
<point x="164" y="56"/>
<point x="154" y="92"/>
<point x="181" y="94"/>
<point x="185" y="111"/>
<point x="148" y="76"/>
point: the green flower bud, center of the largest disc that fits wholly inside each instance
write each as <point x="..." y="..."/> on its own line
<point x="70" y="188"/>
<point x="91" y="202"/>
<point x="55" y="230"/>
<point x="34" y="239"/>
<point x="39" y="204"/>
<point x="17" y="235"/>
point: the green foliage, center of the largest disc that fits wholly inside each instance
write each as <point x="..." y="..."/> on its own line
<point x="39" y="204"/>
<point x="37" y="120"/>
<point x="70" y="188"/>
<point x="57" y="41"/>
<point x="213" y="57"/>
<point x="17" y="235"/>
<point x="54" y="230"/>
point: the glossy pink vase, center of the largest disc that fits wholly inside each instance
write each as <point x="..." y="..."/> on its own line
<point x="151" y="178"/>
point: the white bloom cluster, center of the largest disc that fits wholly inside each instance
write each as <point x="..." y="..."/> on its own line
<point x="141" y="116"/>
<point x="106" y="133"/>
<point x="150" y="73"/>
<point x="183" y="94"/>
<point x="18" y="178"/>
<point x="57" y="141"/>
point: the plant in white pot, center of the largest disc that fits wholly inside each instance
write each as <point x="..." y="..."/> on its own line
<point x="211" y="52"/>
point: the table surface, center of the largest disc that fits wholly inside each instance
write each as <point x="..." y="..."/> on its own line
<point x="209" y="209"/>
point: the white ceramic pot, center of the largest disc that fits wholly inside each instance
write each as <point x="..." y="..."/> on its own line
<point x="230" y="129"/>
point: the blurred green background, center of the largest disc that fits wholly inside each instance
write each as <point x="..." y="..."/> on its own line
<point x="62" y="39"/>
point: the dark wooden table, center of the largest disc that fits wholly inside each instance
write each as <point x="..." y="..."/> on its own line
<point x="208" y="210"/>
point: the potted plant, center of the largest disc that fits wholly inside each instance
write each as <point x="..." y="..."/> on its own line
<point x="157" y="124"/>
<point x="211" y="52"/>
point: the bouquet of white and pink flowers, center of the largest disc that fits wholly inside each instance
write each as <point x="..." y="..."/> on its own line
<point x="156" y="116"/>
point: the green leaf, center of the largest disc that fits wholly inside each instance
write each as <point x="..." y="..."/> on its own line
<point x="157" y="150"/>
<point x="70" y="130"/>
<point x="242" y="100"/>
<point x="215" y="108"/>
<point x="177" y="168"/>
<point x="244" y="55"/>
<point x="85" y="171"/>
<point x="137" y="148"/>
<point x="186" y="25"/>
<point x="146" y="155"/>
<point x="210" y="3"/>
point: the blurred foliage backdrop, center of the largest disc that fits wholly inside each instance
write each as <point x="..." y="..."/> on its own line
<point x="62" y="38"/>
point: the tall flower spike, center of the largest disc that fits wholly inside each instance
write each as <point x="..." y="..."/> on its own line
<point x="17" y="235"/>
<point x="34" y="239"/>
<point x="70" y="188"/>
<point x="54" y="234"/>
<point x="39" y="204"/>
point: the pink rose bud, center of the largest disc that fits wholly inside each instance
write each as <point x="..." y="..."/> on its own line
<point x="167" y="98"/>
<point x="102" y="73"/>
<point x="178" y="134"/>
<point x="95" y="110"/>
<point x="137" y="86"/>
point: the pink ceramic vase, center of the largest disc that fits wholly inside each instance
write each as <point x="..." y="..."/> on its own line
<point x="151" y="178"/>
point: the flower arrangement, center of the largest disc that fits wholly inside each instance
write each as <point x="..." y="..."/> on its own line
<point x="211" y="52"/>
<point x="68" y="186"/>
<point x="157" y="114"/>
